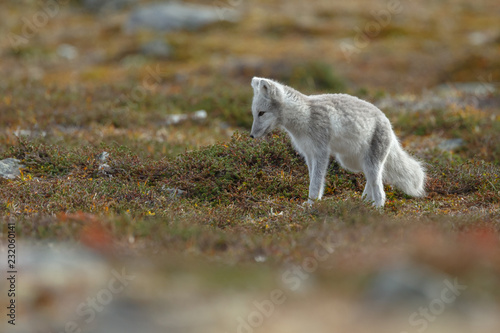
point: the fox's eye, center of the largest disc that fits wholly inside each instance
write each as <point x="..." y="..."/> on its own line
<point x="261" y="113"/>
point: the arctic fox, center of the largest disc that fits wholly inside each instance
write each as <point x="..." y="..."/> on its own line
<point x="354" y="131"/>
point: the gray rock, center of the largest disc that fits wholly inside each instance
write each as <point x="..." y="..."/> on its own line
<point x="156" y="48"/>
<point x="403" y="284"/>
<point x="9" y="168"/>
<point x="104" y="168"/>
<point x="67" y="51"/>
<point x="414" y="103"/>
<point x="260" y="258"/>
<point x="106" y="5"/>
<point x="476" y="94"/>
<point x="176" y="16"/>
<point x="478" y="89"/>
<point x="199" y="115"/>
<point x="177" y="118"/>
<point x="478" y="38"/>
<point x="451" y="144"/>
<point x="102" y="157"/>
<point x="174" y="192"/>
<point x="31" y="133"/>
<point x="126" y="316"/>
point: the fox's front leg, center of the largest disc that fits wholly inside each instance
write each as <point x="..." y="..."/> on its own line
<point x="318" y="165"/>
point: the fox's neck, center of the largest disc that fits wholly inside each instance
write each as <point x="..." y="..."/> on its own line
<point x="295" y="115"/>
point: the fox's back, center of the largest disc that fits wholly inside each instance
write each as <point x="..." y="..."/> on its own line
<point x="352" y="121"/>
<point x="345" y="105"/>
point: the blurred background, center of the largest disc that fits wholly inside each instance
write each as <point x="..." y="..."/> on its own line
<point x="161" y="78"/>
<point x="398" y="46"/>
<point x="131" y="62"/>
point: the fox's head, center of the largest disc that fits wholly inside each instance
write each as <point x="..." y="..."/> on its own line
<point x="266" y="106"/>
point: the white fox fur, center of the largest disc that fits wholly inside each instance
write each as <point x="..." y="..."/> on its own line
<point x="354" y="131"/>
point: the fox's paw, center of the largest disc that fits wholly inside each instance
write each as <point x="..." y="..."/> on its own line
<point x="378" y="205"/>
<point x="308" y="203"/>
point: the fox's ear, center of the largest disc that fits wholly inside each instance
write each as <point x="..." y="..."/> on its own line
<point x="269" y="90"/>
<point x="255" y="82"/>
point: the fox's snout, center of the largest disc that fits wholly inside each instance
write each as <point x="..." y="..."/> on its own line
<point x="254" y="133"/>
<point x="259" y="130"/>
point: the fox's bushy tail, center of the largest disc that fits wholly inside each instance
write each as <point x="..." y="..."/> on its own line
<point x="404" y="172"/>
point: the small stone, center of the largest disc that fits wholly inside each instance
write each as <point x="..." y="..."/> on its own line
<point x="481" y="37"/>
<point x="176" y="16"/>
<point x="403" y="284"/>
<point x="260" y="258"/>
<point x="106" y="5"/>
<point x="478" y="89"/>
<point x="173" y="119"/>
<point x="174" y="192"/>
<point x="106" y="170"/>
<point x="199" y="115"/>
<point x="451" y="144"/>
<point x="103" y="156"/>
<point x="104" y="167"/>
<point x="10" y="168"/>
<point x="35" y="133"/>
<point x="67" y="51"/>
<point x="156" y="48"/>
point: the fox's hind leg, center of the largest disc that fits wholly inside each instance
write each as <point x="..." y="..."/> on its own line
<point x="373" y="165"/>
<point x="374" y="187"/>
